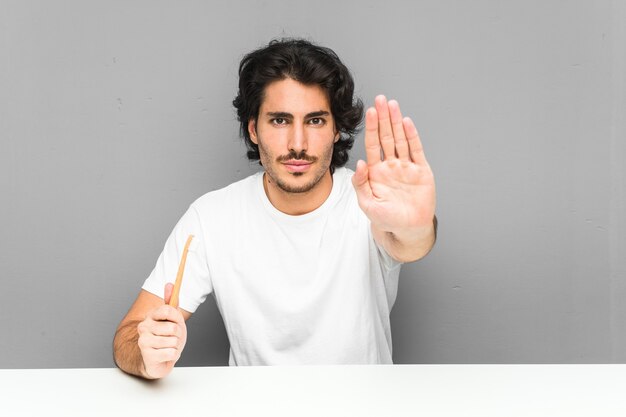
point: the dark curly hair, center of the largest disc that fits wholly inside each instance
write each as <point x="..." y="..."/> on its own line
<point x="308" y="64"/>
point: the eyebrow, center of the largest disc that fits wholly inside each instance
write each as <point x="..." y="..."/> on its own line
<point x="285" y="115"/>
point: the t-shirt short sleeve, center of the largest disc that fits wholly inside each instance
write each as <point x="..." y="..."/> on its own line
<point x="390" y="269"/>
<point x="386" y="260"/>
<point x="196" y="283"/>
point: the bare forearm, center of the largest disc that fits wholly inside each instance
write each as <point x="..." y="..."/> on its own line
<point x="126" y="351"/>
<point x="407" y="245"/>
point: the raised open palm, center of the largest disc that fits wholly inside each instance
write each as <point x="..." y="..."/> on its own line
<point x="396" y="187"/>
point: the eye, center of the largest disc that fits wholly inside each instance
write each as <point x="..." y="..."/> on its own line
<point x="279" y="121"/>
<point x="318" y="121"/>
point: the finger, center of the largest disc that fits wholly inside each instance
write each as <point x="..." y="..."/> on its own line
<point x="158" y="342"/>
<point x="149" y="329"/>
<point x="164" y="355"/>
<point x="167" y="292"/>
<point x="165" y="329"/>
<point x="372" y="142"/>
<point x="166" y="313"/>
<point x="402" y="147"/>
<point x="415" y="144"/>
<point x="360" y="181"/>
<point x="385" y="132"/>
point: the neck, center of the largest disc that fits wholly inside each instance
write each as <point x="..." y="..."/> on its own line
<point x="296" y="204"/>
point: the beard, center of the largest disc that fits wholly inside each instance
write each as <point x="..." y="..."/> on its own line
<point x="319" y="167"/>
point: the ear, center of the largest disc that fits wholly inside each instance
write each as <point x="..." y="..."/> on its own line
<point x="252" y="130"/>
<point x="337" y="136"/>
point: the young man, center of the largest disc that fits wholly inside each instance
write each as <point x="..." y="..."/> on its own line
<point x="303" y="257"/>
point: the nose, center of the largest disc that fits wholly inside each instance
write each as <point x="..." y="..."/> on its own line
<point x="297" y="141"/>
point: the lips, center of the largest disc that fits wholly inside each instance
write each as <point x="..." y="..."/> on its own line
<point x="294" y="165"/>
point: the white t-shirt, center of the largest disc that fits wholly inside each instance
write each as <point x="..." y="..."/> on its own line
<point x="308" y="289"/>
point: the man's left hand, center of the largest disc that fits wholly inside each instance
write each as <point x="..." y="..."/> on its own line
<point x="396" y="187"/>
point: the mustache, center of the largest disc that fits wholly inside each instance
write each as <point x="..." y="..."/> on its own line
<point x="297" y="155"/>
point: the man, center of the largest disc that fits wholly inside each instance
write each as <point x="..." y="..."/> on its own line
<point x="303" y="257"/>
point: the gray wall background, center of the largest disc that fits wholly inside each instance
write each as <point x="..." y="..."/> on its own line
<point x="115" y="116"/>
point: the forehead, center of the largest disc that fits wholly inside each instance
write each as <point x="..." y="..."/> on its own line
<point x="293" y="97"/>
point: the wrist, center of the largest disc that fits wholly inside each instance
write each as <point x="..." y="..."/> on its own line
<point x="408" y="244"/>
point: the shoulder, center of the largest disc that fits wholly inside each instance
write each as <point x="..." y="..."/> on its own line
<point x="342" y="179"/>
<point x="233" y="194"/>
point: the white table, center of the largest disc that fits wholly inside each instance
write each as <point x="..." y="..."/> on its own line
<point x="398" y="390"/>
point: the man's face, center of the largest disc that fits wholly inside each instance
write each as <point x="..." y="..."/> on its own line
<point x="295" y="132"/>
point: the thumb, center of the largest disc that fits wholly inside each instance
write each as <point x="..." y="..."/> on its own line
<point x="361" y="183"/>
<point x="169" y="288"/>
